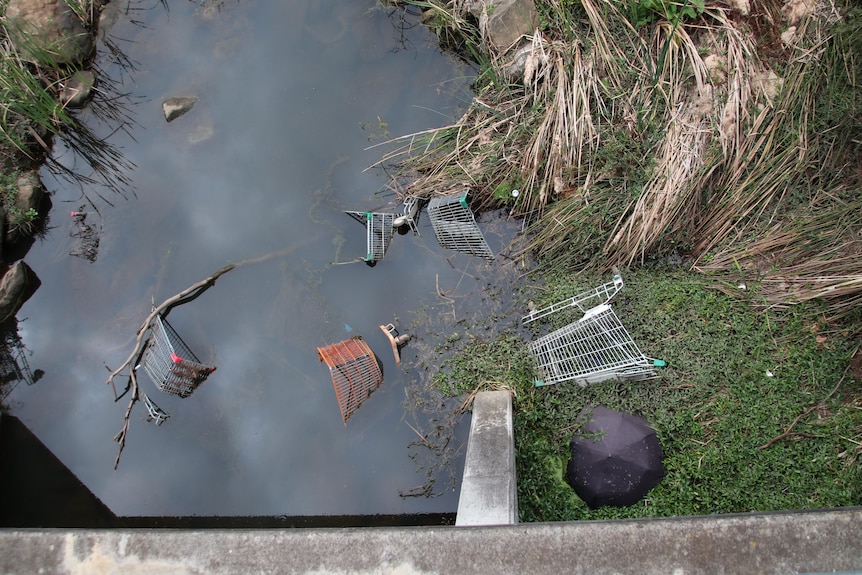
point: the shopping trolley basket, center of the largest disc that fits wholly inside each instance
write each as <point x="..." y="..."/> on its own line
<point x="592" y="349"/>
<point x="170" y="363"/>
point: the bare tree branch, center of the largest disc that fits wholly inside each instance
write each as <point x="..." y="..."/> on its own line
<point x="185" y="296"/>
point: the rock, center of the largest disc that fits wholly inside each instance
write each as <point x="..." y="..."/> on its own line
<point x="521" y="65"/>
<point x="716" y="67"/>
<point x="788" y="37"/>
<point x="173" y="108"/>
<point x="48" y="32"/>
<point x="741" y="6"/>
<point x="795" y="11"/>
<point x="768" y="83"/>
<point x="504" y="21"/>
<point x="30" y="194"/>
<point x="77" y="89"/>
<point x="30" y="191"/>
<point x="19" y="283"/>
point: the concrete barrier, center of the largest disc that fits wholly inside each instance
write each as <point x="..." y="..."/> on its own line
<point x="489" y="494"/>
<point x="756" y="544"/>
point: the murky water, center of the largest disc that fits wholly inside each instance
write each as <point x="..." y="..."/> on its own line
<point x="291" y="95"/>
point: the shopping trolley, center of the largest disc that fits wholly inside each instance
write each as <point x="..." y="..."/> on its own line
<point x="170" y="363"/>
<point x="455" y="226"/>
<point x="592" y="349"/>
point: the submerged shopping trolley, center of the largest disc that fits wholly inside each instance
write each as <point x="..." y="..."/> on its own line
<point x="379" y="228"/>
<point x="594" y="348"/>
<point x="170" y="363"/>
<point x="453" y="222"/>
<point x="455" y="226"/>
<point x="355" y="373"/>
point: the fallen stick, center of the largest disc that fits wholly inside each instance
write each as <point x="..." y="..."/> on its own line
<point x="789" y="431"/>
<point x="189" y="294"/>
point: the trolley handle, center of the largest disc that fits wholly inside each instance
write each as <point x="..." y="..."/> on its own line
<point x="604" y="293"/>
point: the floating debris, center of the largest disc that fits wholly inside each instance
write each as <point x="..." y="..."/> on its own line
<point x="355" y="373"/>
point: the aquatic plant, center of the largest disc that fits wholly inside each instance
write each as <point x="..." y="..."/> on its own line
<point x="32" y="114"/>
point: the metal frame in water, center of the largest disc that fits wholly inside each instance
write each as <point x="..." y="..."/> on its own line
<point x="169" y="362"/>
<point x="455" y="226"/>
<point x="355" y="373"/>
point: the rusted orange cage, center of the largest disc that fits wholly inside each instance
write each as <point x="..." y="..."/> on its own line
<point x="354" y="370"/>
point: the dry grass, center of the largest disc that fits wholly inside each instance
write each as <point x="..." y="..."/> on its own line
<point x="628" y="144"/>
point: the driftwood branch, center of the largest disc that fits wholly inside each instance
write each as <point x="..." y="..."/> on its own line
<point x="185" y="296"/>
<point x="799" y="418"/>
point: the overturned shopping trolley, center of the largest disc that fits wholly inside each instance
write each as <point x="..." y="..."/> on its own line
<point x="455" y="226"/>
<point x="592" y="349"/>
<point x="354" y="370"/>
<point x="170" y="363"/>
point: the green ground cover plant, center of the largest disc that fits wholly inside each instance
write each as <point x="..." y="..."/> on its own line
<point x="17" y="218"/>
<point x="734" y="384"/>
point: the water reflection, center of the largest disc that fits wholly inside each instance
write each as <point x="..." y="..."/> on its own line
<point x="270" y="157"/>
<point x="14" y="365"/>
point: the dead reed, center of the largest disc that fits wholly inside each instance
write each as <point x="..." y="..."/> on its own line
<point x="702" y="136"/>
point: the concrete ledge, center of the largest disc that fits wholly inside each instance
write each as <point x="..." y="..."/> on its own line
<point x="798" y="542"/>
<point x="489" y="494"/>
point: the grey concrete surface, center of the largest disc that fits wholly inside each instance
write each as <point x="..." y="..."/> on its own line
<point x="779" y="543"/>
<point x="489" y="494"/>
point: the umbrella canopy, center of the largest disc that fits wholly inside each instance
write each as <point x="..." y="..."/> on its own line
<point x="616" y="458"/>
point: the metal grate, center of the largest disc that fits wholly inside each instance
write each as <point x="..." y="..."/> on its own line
<point x="14" y="366"/>
<point x="455" y="226"/>
<point x="170" y="363"/>
<point x="595" y="348"/>
<point x="355" y="373"/>
<point x="378" y="233"/>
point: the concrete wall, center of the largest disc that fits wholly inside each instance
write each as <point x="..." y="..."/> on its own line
<point x="828" y="541"/>
<point x="781" y="543"/>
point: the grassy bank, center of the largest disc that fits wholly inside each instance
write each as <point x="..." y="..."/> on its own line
<point x="637" y="130"/>
<point x="734" y="382"/>
<point x="35" y="112"/>
<point x="723" y="137"/>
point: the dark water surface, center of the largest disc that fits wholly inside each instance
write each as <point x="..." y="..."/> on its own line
<point x="291" y="95"/>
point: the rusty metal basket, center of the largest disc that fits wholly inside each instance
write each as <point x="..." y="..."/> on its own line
<point x="355" y="372"/>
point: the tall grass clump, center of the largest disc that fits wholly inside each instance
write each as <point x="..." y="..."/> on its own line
<point x="32" y="113"/>
<point x="647" y="129"/>
<point x="532" y="127"/>
<point x="800" y="192"/>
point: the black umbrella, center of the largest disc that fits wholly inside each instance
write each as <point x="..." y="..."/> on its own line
<point x="616" y="458"/>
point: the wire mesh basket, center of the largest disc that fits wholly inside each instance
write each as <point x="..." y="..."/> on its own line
<point x="169" y="362"/>
<point x="379" y="228"/>
<point x="355" y="373"/>
<point x="154" y="412"/>
<point x="592" y="349"/>
<point x="455" y="226"/>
